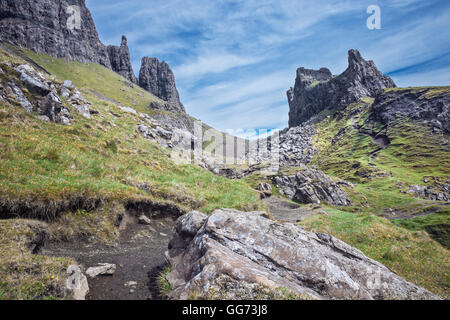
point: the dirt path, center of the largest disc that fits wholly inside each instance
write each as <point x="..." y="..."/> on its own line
<point x="285" y="211"/>
<point x="139" y="257"/>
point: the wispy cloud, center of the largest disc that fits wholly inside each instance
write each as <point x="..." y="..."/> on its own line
<point x="234" y="59"/>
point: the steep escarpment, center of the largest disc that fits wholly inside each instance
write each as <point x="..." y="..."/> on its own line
<point x="157" y="78"/>
<point x="120" y="60"/>
<point x="315" y="91"/>
<point x="60" y="28"/>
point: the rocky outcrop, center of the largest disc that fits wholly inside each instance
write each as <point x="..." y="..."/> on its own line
<point x="35" y="92"/>
<point x="430" y="106"/>
<point x="237" y="255"/>
<point x="310" y="185"/>
<point x="316" y="90"/>
<point x="59" y="28"/>
<point x="120" y="60"/>
<point x="157" y="78"/>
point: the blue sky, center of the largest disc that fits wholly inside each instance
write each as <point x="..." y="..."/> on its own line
<point x="234" y="60"/>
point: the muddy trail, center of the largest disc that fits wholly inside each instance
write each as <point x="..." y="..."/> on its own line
<point x="286" y="211"/>
<point x="138" y="256"/>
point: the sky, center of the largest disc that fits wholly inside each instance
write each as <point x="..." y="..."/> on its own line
<point x="234" y="60"/>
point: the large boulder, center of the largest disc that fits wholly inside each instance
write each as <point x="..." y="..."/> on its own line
<point x="310" y="185"/>
<point x="157" y="78"/>
<point x="238" y="255"/>
<point x="316" y="90"/>
<point x="59" y="28"/>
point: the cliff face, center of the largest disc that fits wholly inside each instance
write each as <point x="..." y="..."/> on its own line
<point x="60" y="28"/>
<point x="157" y="78"/>
<point x="316" y="90"/>
<point x="120" y="60"/>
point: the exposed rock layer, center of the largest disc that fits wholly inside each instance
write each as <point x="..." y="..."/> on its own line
<point x="237" y="255"/>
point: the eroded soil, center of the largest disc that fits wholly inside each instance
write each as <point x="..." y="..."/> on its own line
<point x="138" y="255"/>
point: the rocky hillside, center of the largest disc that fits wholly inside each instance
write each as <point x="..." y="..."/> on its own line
<point x="90" y="193"/>
<point x="65" y="29"/>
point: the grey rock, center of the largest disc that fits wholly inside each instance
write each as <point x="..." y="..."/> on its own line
<point x="120" y="60"/>
<point x="52" y="107"/>
<point x="68" y="84"/>
<point x="44" y="26"/>
<point x="144" y="220"/>
<point x="313" y="186"/>
<point x="157" y="78"/>
<point x="238" y="255"/>
<point x="76" y="284"/>
<point x="316" y="90"/>
<point x="265" y="189"/>
<point x="83" y="110"/>
<point x="128" y="110"/>
<point x="414" y="104"/>
<point x="44" y="118"/>
<point x="101" y="269"/>
<point x="20" y="97"/>
<point x="33" y="80"/>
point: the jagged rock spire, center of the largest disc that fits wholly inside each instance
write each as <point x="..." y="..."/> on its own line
<point x="120" y="60"/>
<point x="316" y="90"/>
<point x="157" y="78"/>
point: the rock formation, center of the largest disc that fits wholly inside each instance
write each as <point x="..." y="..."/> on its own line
<point x="237" y="255"/>
<point x="59" y="28"/>
<point x="316" y="90"/>
<point x="157" y="78"/>
<point x="313" y="186"/>
<point x="429" y="106"/>
<point x="38" y="93"/>
<point x="120" y="60"/>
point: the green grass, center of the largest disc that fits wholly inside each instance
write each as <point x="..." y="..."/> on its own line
<point x="412" y="255"/>
<point x="102" y="157"/>
<point x="436" y="224"/>
<point x="163" y="284"/>
<point x="24" y="276"/>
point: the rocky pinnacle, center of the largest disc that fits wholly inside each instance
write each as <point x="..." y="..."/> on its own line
<point x="120" y="60"/>
<point x="316" y="90"/>
<point x="157" y="78"/>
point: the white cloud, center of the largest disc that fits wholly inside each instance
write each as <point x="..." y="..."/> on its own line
<point x="213" y="63"/>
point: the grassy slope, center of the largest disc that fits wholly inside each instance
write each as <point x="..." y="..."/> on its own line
<point x="104" y="155"/>
<point x="43" y="164"/>
<point x="400" y="244"/>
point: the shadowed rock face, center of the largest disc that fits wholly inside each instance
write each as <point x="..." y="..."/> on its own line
<point x="423" y="105"/>
<point x="120" y="60"/>
<point x="45" y="26"/>
<point x="316" y="90"/>
<point x="238" y="255"/>
<point x="157" y="78"/>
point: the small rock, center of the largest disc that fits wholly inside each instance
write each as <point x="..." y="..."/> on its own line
<point x="68" y="84"/>
<point x="144" y="220"/>
<point x="76" y="284"/>
<point x="131" y="284"/>
<point x="102" y="269"/>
